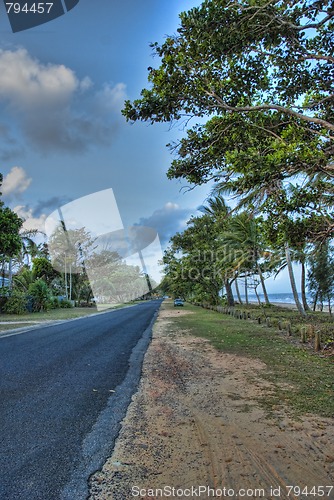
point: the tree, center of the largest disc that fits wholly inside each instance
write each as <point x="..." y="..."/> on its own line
<point x="197" y="265"/>
<point x="10" y="224"/>
<point x="321" y="274"/>
<point x="10" y="242"/>
<point x="244" y="237"/>
<point x="262" y="75"/>
<point x="42" y="268"/>
<point x="69" y="251"/>
<point x="239" y="58"/>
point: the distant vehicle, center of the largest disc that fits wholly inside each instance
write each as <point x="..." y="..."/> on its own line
<point x="178" y="302"/>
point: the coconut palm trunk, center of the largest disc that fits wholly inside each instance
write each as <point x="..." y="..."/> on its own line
<point x="246" y="290"/>
<point x="265" y="294"/>
<point x="229" y="293"/>
<point x="303" y="286"/>
<point x="238" y="290"/>
<point x="300" y="308"/>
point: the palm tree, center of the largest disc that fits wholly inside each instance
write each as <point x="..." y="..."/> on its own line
<point x="244" y="239"/>
<point x="218" y="210"/>
<point x="292" y="280"/>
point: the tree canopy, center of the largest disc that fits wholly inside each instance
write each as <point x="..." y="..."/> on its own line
<point x="10" y="225"/>
<point x="261" y="74"/>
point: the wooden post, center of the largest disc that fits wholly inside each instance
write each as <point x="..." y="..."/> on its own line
<point x="268" y="322"/>
<point x="280" y="325"/>
<point x="288" y="327"/>
<point x="259" y="320"/>
<point x="311" y="331"/>
<point x="317" y="344"/>
<point x="303" y="334"/>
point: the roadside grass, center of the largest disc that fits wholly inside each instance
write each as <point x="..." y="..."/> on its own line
<point x="321" y="320"/>
<point x="303" y="380"/>
<point x="51" y="315"/>
<point x="28" y="319"/>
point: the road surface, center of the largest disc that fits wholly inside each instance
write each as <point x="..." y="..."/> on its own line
<point x="63" y="392"/>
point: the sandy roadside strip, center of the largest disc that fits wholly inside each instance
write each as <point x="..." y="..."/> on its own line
<point x="195" y="422"/>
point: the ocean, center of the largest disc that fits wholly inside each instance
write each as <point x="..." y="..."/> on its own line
<point x="284" y="298"/>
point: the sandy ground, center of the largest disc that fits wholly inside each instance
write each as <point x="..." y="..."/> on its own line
<point x="195" y="423"/>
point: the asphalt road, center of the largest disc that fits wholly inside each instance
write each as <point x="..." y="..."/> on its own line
<point x="63" y="392"/>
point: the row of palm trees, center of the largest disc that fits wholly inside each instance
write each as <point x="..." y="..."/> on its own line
<point x="249" y="256"/>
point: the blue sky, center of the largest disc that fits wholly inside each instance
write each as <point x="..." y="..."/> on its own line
<point x="62" y="86"/>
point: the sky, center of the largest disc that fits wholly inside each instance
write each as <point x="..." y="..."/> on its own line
<point x="62" y="135"/>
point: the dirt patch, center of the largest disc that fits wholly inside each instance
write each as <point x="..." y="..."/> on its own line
<point x="195" y="422"/>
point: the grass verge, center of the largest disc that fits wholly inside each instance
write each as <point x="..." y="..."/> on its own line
<point x="303" y="380"/>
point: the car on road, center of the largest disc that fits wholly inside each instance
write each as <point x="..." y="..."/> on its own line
<point x="178" y="302"/>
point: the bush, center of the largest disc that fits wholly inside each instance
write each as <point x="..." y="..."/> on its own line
<point x="41" y="295"/>
<point x="55" y="303"/>
<point x="16" y="303"/>
<point x="65" y="304"/>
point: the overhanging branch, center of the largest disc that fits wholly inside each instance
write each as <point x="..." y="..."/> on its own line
<point x="263" y="107"/>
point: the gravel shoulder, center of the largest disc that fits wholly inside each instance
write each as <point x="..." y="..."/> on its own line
<point x="195" y="421"/>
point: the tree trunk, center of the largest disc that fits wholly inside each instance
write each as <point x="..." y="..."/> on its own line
<point x="266" y="299"/>
<point x="257" y="296"/>
<point x="237" y="290"/>
<point x="246" y="290"/>
<point x="10" y="273"/>
<point x="293" y="281"/>
<point x="315" y="301"/>
<point x="303" y="286"/>
<point x="229" y="293"/>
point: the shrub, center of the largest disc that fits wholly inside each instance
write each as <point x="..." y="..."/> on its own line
<point x="65" y="304"/>
<point x="41" y="295"/>
<point x="16" y="303"/>
<point x="55" y="303"/>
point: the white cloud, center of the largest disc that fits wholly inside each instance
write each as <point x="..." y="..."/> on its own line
<point x="54" y="108"/>
<point x="30" y="222"/>
<point x="111" y="98"/>
<point x="15" y="182"/>
<point x="86" y="83"/>
<point x="27" y="83"/>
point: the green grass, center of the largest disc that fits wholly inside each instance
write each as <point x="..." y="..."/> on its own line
<point x="311" y="375"/>
<point x="22" y="320"/>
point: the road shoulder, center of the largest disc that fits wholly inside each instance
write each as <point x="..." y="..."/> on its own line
<point x="195" y="421"/>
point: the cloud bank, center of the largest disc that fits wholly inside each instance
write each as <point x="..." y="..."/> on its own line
<point x="167" y="221"/>
<point x="15" y="183"/>
<point x="54" y="109"/>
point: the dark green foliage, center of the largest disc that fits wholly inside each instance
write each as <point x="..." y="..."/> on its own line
<point x="65" y="304"/>
<point x="41" y="295"/>
<point x="262" y="75"/>
<point x="16" y="303"/>
<point x="42" y="268"/>
<point x="321" y="273"/>
<point x="10" y="225"/>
